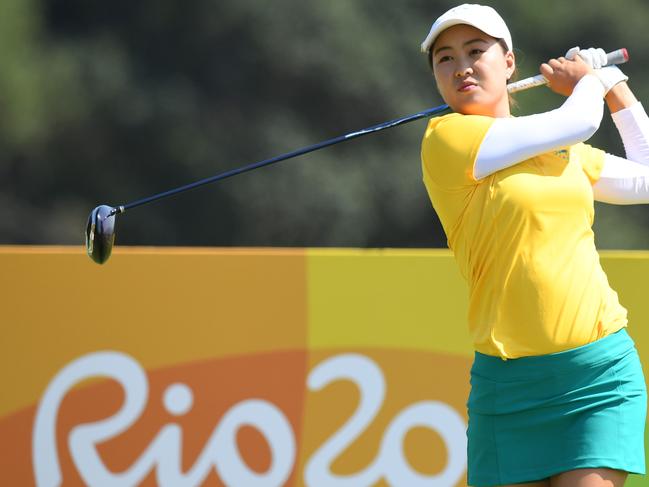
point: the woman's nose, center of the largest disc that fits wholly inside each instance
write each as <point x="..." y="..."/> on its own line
<point x="462" y="71"/>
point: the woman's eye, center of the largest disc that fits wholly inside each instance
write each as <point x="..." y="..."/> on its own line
<point x="476" y="52"/>
<point x="444" y="59"/>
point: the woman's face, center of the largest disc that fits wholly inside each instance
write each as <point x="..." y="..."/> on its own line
<point x="471" y="70"/>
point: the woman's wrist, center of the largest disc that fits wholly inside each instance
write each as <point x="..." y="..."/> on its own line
<point x="620" y="97"/>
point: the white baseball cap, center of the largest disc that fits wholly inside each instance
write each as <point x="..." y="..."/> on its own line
<point x="479" y="16"/>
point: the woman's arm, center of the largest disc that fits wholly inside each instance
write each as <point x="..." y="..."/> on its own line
<point x="626" y="181"/>
<point x="512" y="140"/>
<point x="622" y="182"/>
<point x="631" y="121"/>
<point x="620" y="97"/>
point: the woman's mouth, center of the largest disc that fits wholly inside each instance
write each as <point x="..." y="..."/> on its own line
<point x="467" y="86"/>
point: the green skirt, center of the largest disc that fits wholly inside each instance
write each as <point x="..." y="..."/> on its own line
<point x="534" y="417"/>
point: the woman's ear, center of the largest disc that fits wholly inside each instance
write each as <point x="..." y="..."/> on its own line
<point x="510" y="61"/>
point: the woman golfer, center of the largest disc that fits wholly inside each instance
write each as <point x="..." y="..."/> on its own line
<point x="558" y="396"/>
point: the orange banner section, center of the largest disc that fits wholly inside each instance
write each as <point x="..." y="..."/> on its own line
<point x="163" y="307"/>
<point x="255" y="367"/>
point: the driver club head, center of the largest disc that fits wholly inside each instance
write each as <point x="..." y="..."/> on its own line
<point x="100" y="233"/>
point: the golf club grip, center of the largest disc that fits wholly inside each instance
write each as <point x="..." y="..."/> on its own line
<point x="619" y="56"/>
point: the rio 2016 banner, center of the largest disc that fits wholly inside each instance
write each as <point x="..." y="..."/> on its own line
<point x="243" y="367"/>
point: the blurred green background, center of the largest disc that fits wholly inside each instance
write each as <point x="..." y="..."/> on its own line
<point x="108" y="102"/>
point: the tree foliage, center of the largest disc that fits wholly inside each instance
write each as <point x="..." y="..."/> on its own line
<point x="107" y="102"/>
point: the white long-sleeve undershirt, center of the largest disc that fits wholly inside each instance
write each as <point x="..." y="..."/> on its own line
<point x="622" y="181"/>
<point x="516" y="139"/>
<point x="633" y="125"/>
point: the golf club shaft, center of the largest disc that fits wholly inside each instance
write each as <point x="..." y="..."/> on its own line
<point x="616" y="57"/>
<point x="283" y="157"/>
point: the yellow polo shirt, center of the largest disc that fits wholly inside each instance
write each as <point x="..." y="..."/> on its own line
<point x="523" y="240"/>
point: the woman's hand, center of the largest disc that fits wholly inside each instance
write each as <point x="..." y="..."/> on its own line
<point x="563" y="74"/>
<point x="595" y="57"/>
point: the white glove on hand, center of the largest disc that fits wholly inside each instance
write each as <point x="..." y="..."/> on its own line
<point x="593" y="56"/>
<point x="609" y="76"/>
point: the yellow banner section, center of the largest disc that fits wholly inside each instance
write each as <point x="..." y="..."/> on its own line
<point x="316" y="367"/>
<point x="406" y="299"/>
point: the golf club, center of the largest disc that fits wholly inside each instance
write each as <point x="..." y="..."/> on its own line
<point x="100" y="229"/>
